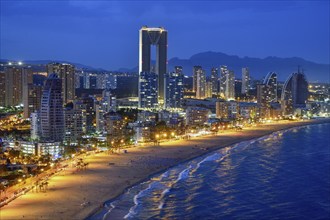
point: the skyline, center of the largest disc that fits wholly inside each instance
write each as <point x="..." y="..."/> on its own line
<point x="77" y="34"/>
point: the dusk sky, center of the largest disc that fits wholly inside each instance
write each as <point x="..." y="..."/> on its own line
<point x="105" y="34"/>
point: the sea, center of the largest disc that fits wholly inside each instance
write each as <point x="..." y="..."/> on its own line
<point x="284" y="175"/>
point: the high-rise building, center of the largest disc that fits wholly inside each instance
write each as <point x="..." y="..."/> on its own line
<point x="215" y="81"/>
<point x="89" y="110"/>
<point x="208" y="89"/>
<point x="35" y="125"/>
<point x="223" y="76"/>
<point x="114" y="126"/>
<point x="230" y="85"/>
<point x="294" y="93"/>
<point x="148" y="90"/>
<point x="200" y="84"/>
<point x="107" y="104"/>
<point x="2" y="88"/>
<point x="51" y="111"/>
<point x="271" y="82"/>
<point x="174" y="88"/>
<point x="31" y="99"/>
<point x="15" y="80"/>
<point x="158" y="37"/>
<point x="66" y="72"/>
<point x="196" y="70"/>
<point x="264" y="99"/>
<point x="245" y="80"/>
<point x="74" y="121"/>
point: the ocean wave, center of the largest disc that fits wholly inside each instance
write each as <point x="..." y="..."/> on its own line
<point x="213" y="157"/>
<point x="136" y="199"/>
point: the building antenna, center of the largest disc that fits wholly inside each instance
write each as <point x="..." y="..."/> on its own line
<point x="298" y="68"/>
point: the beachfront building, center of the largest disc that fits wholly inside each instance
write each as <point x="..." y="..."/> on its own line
<point x="115" y="127"/>
<point x="54" y="149"/>
<point x="142" y="131"/>
<point x="294" y="93"/>
<point x="197" y="116"/>
<point x="174" y="89"/>
<point x="227" y="109"/>
<point x="263" y="99"/>
<point x="51" y="111"/>
<point x="248" y="111"/>
<point x="75" y="120"/>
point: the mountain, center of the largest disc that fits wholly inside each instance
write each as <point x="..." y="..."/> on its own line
<point x="258" y="67"/>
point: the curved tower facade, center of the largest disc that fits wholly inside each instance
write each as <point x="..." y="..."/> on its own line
<point x="295" y="92"/>
<point x="271" y="82"/>
<point x="51" y="111"/>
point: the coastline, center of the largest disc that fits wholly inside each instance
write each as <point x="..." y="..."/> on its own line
<point x="101" y="182"/>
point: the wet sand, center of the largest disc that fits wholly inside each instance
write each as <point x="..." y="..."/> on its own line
<point x="68" y="191"/>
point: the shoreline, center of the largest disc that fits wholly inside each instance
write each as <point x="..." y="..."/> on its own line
<point x="103" y="183"/>
<point x="99" y="209"/>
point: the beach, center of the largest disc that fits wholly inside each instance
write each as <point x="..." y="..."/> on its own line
<point x="77" y="195"/>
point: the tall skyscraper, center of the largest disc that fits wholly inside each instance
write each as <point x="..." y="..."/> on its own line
<point x="67" y="73"/>
<point x="148" y="90"/>
<point x="15" y="80"/>
<point x="294" y="93"/>
<point x="174" y="88"/>
<point x="230" y="85"/>
<point x="158" y="37"/>
<point x="2" y="88"/>
<point x="263" y="99"/>
<point x="196" y="70"/>
<point x="89" y="110"/>
<point x="208" y="89"/>
<point x="51" y="111"/>
<point x="271" y="82"/>
<point x="223" y="76"/>
<point x="200" y="84"/>
<point x="215" y="81"/>
<point x="245" y="80"/>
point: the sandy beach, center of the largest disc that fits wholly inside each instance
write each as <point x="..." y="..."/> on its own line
<point x="68" y="190"/>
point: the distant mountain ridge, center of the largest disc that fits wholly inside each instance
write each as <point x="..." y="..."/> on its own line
<point x="259" y="67"/>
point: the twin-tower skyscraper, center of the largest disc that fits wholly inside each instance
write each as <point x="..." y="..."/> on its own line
<point x="152" y="37"/>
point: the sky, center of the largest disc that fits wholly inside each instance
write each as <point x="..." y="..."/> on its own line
<point x="104" y="34"/>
